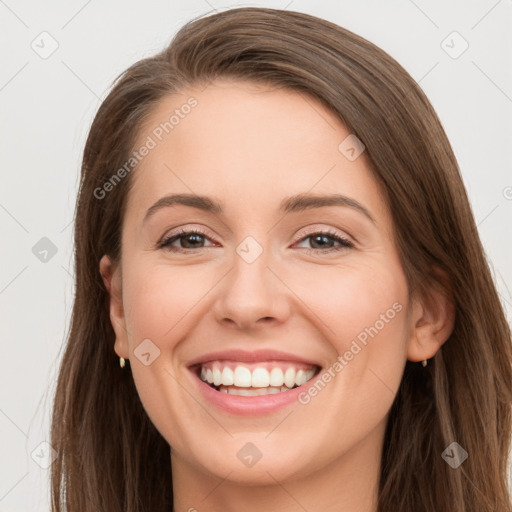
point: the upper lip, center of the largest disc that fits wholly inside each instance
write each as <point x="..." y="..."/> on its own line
<point x="254" y="356"/>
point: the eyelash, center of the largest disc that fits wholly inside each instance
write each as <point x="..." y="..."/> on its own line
<point x="345" y="243"/>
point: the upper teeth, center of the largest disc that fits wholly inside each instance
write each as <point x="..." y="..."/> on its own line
<point x="229" y="374"/>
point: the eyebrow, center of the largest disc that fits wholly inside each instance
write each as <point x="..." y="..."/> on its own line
<point x="291" y="204"/>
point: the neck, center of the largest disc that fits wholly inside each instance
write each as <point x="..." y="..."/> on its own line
<point x="348" y="484"/>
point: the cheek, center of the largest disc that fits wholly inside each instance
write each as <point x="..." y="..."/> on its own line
<point x="362" y="314"/>
<point x="361" y="310"/>
<point x="160" y="305"/>
<point x="351" y="300"/>
<point x="159" y="299"/>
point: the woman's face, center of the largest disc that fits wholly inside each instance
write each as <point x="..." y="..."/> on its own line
<point x="294" y="275"/>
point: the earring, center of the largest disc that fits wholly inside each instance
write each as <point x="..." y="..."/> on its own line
<point x="424" y="363"/>
<point x="121" y="362"/>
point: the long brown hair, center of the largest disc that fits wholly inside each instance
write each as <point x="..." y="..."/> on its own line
<point x="110" y="456"/>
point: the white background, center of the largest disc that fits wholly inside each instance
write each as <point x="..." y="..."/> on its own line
<point x="47" y="106"/>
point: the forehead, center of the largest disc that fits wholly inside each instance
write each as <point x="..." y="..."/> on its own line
<point x="249" y="146"/>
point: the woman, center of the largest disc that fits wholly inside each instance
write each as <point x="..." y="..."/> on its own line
<point x="282" y="300"/>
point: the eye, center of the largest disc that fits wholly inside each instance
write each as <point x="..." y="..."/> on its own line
<point x="189" y="239"/>
<point x="321" y="240"/>
<point x="193" y="239"/>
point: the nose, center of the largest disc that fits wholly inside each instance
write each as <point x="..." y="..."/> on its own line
<point x="251" y="296"/>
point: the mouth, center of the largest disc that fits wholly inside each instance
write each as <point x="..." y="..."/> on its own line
<point x="251" y="379"/>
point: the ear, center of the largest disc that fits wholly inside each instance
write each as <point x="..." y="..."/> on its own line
<point x="432" y="318"/>
<point x="111" y="275"/>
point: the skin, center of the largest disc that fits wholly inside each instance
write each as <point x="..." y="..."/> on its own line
<point x="250" y="147"/>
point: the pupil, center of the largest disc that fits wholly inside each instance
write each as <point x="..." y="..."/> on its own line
<point x="319" y="237"/>
<point x="193" y="236"/>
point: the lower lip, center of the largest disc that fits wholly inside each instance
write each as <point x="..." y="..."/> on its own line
<point x="248" y="405"/>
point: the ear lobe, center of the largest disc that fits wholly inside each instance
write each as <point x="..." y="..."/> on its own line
<point x="432" y="319"/>
<point x="111" y="275"/>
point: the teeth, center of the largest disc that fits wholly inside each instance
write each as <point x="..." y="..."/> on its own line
<point x="289" y="377"/>
<point x="300" y="377"/>
<point x="259" y="381"/>
<point x="276" y="377"/>
<point x="271" y="390"/>
<point x="227" y="376"/>
<point x="260" y="378"/>
<point x="243" y="377"/>
<point x="217" y="375"/>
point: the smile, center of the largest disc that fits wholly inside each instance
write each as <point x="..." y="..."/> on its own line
<point x="255" y="379"/>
